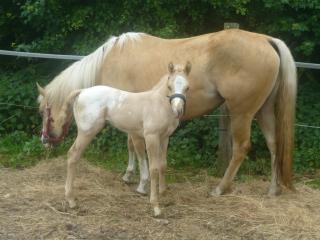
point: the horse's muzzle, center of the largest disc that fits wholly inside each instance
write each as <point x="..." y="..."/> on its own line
<point x="44" y="140"/>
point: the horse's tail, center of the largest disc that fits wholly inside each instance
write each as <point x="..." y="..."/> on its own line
<point x="285" y="113"/>
<point x="66" y="109"/>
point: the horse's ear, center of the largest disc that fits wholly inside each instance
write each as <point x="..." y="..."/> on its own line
<point x="187" y="68"/>
<point x="41" y="90"/>
<point x="171" y="67"/>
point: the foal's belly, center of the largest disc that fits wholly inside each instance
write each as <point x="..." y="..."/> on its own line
<point x="126" y="122"/>
<point x="130" y="124"/>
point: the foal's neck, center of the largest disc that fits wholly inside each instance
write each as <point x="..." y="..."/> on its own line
<point x="162" y="87"/>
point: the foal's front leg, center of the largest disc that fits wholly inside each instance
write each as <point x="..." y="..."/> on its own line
<point x="74" y="154"/>
<point x="163" y="166"/>
<point x="154" y="155"/>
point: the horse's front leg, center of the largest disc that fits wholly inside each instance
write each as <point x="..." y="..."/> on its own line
<point x="240" y="128"/>
<point x="74" y="154"/>
<point x="154" y="155"/>
<point x="128" y="176"/>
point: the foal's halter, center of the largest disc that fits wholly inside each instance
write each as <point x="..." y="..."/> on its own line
<point x="46" y="131"/>
<point x="182" y="97"/>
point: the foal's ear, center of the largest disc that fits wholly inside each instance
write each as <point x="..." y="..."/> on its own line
<point x="41" y="90"/>
<point x="171" y="67"/>
<point x="187" y="68"/>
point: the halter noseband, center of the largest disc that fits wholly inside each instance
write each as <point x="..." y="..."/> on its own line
<point x="181" y="96"/>
<point x="45" y="132"/>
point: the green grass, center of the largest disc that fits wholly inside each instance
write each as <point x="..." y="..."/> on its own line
<point x="109" y="151"/>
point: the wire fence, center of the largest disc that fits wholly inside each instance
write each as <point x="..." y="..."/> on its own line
<point x="78" y="57"/>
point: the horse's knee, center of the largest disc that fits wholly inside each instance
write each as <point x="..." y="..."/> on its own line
<point x="154" y="172"/>
<point x="246" y="146"/>
<point x="162" y="167"/>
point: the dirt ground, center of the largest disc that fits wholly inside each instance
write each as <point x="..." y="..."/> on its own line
<point x="32" y="206"/>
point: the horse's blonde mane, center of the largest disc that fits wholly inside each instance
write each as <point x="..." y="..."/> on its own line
<point x="83" y="73"/>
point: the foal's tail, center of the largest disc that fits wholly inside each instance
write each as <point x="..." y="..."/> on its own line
<point x="66" y="109"/>
<point x="285" y="113"/>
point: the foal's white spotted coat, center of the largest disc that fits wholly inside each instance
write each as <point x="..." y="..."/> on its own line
<point x="148" y="117"/>
<point x="94" y="101"/>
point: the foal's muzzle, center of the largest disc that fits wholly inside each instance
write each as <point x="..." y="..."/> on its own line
<point x="181" y="111"/>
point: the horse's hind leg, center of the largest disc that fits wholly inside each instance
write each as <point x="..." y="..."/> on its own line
<point x="267" y="123"/>
<point x="140" y="149"/>
<point x="127" y="177"/>
<point x="82" y="141"/>
<point x="240" y="129"/>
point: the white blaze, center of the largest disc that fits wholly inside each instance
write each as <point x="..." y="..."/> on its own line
<point x="179" y="85"/>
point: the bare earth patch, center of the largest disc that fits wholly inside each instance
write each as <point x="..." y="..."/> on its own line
<point x="32" y="206"/>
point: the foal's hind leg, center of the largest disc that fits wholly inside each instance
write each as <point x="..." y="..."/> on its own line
<point x="240" y="129"/>
<point x="140" y="148"/>
<point x="131" y="163"/>
<point x="267" y="123"/>
<point x="82" y="141"/>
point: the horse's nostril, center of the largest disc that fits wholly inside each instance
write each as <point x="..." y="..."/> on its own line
<point x="44" y="140"/>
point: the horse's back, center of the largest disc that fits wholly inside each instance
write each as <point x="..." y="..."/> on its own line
<point x="225" y="63"/>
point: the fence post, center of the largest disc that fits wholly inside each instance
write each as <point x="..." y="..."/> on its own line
<point x="225" y="139"/>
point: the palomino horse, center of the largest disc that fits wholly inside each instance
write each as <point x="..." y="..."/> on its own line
<point x="254" y="74"/>
<point x="149" y="117"/>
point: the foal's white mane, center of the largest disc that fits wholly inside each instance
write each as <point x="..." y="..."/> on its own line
<point x="83" y="73"/>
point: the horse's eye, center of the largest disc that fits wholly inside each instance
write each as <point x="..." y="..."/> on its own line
<point x="169" y="87"/>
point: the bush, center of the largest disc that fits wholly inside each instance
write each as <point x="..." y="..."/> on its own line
<point x="58" y="26"/>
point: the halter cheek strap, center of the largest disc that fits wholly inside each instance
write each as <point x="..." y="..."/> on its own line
<point x="181" y="96"/>
<point x="45" y="132"/>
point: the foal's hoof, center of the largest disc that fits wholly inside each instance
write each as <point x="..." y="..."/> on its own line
<point x="72" y="203"/>
<point x="128" y="177"/>
<point x="217" y="192"/>
<point x="274" y="191"/>
<point x="141" y="190"/>
<point x="157" y="211"/>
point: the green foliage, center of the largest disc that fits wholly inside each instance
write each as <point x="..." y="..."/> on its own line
<point x="18" y="104"/>
<point x="78" y="27"/>
<point x="315" y="183"/>
<point x="18" y="149"/>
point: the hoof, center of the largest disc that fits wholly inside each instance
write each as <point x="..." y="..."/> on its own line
<point x="274" y="191"/>
<point x="72" y="203"/>
<point x="128" y="177"/>
<point x="141" y="190"/>
<point x="157" y="211"/>
<point x="217" y="192"/>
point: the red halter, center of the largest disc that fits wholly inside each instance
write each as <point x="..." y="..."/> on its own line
<point x="45" y="132"/>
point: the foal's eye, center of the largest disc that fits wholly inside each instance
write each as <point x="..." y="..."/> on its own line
<point x="169" y="88"/>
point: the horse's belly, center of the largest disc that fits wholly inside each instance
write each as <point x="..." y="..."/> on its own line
<point x="202" y="102"/>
